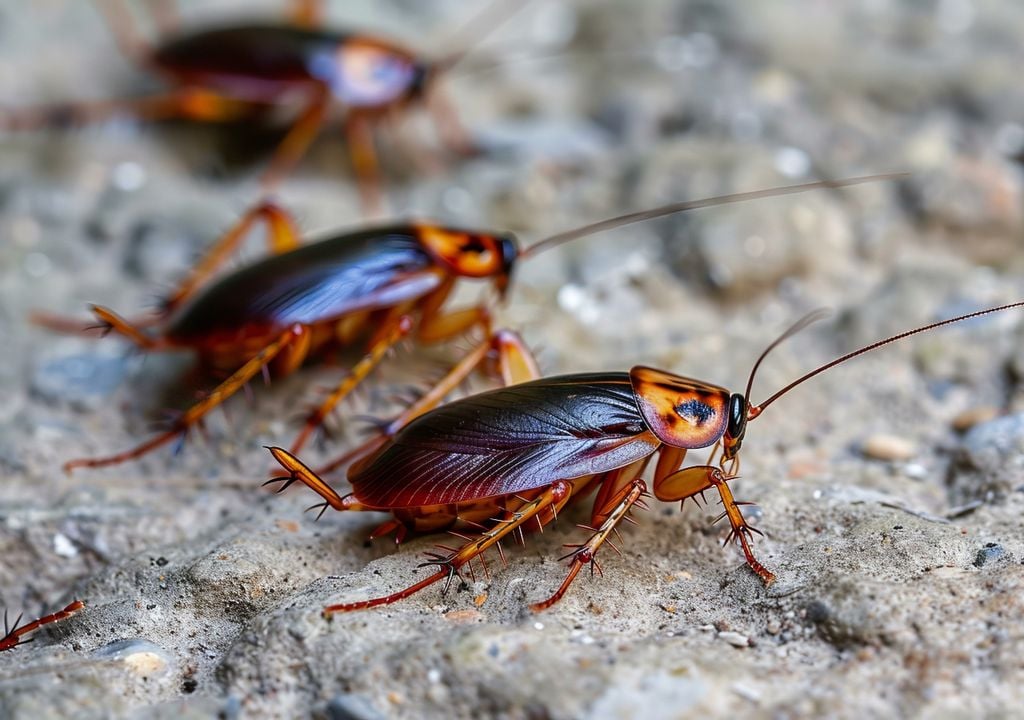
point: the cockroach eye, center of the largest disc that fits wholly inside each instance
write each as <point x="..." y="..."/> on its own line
<point x="737" y="416"/>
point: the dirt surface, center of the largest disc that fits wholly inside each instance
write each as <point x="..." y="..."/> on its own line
<point x="890" y="489"/>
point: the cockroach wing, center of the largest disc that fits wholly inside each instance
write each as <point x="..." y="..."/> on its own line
<point x="320" y="281"/>
<point x="681" y="412"/>
<point x="245" y="57"/>
<point x="508" y="440"/>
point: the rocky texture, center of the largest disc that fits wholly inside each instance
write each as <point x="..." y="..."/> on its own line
<point x="899" y="575"/>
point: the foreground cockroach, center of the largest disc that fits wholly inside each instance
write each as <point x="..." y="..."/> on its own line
<point x="236" y="72"/>
<point x="15" y="636"/>
<point x="506" y="460"/>
<point x="387" y="282"/>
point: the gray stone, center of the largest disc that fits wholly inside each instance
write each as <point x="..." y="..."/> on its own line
<point x="990" y="461"/>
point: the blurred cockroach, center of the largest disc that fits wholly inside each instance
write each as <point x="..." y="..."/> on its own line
<point x="235" y="72"/>
<point x="488" y="466"/>
<point x="385" y="281"/>
<point x="15" y="636"/>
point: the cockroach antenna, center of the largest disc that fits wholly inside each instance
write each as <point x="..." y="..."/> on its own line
<point x="642" y="215"/>
<point x="755" y="410"/>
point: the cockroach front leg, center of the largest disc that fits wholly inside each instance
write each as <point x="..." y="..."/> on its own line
<point x="14" y="635"/>
<point x="693" y="481"/>
<point x="586" y="554"/>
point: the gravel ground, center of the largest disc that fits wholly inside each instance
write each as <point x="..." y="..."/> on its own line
<point x="890" y="490"/>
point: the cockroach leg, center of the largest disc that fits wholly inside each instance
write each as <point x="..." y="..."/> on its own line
<point x="515" y="362"/>
<point x="398" y="330"/>
<point x="586" y="554"/>
<point x="692" y="481"/>
<point x="306" y="13"/>
<point x="301" y="135"/>
<point x="394" y="525"/>
<point x="109" y="321"/>
<point x="293" y="336"/>
<point x="14" y="635"/>
<point x="554" y="495"/>
<point x="299" y="471"/>
<point x="283" y="236"/>
<point x="741" y="531"/>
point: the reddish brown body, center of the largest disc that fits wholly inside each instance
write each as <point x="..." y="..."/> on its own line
<point x="509" y="459"/>
<point x="488" y="466"/>
<point x="236" y="72"/>
<point x="376" y="285"/>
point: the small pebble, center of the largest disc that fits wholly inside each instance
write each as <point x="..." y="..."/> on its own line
<point x="350" y="706"/>
<point x="989" y="554"/>
<point x="734" y="639"/>
<point x="888" y="447"/>
<point x="970" y="417"/>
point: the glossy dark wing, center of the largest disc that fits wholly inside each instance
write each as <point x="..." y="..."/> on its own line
<point x="258" y="53"/>
<point x="507" y="441"/>
<point x="316" y="282"/>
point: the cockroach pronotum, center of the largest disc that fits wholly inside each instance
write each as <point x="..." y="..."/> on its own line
<point x="388" y="282"/>
<point x="488" y="466"/>
<point x="234" y="72"/>
<point x="15" y="635"/>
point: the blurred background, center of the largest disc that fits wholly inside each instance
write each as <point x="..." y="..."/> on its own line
<point x="884" y="485"/>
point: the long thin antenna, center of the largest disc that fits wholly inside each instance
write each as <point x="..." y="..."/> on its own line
<point x="811" y="317"/>
<point x="635" y="217"/>
<point x="757" y="409"/>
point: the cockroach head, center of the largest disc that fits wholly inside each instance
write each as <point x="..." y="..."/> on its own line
<point x="469" y="253"/>
<point x="737" y="427"/>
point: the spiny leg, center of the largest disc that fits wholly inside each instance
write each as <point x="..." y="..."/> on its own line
<point x="692" y="481"/>
<point x="585" y="554"/>
<point x="222" y="392"/>
<point x="298" y="471"/>
<point x="552" y="497"/>
<point x="741" y="530"/>
<point x="14" y="635"/>
<point x="397" y="330"/>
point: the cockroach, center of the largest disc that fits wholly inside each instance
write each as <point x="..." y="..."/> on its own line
<point x="15" y="635"/>
<point x="236" y="72"/>
<point x="488" y="466"/>
<point x="302" y="300"/>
